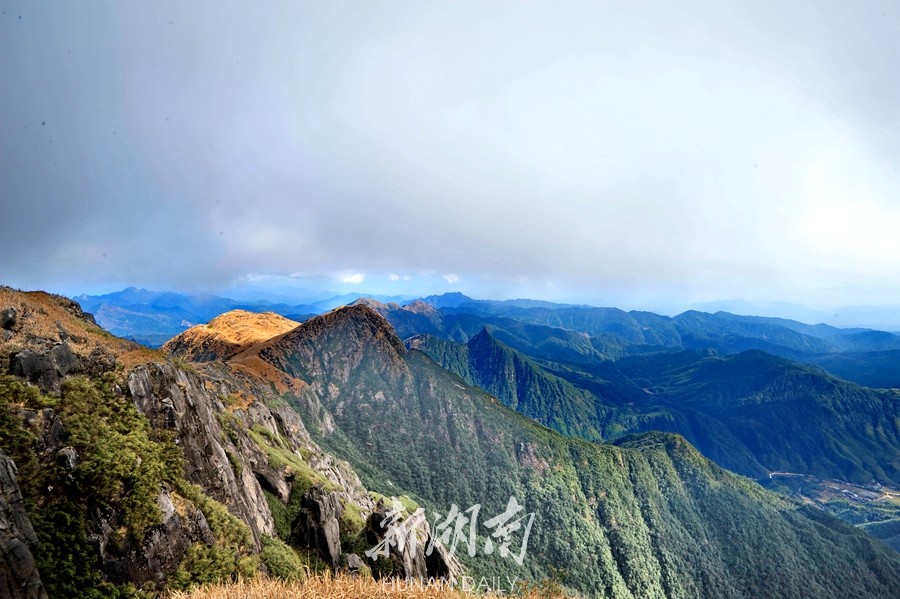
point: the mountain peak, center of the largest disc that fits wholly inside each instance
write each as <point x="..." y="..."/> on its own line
<point x="228" y="334"/>
<point x="420" y="307"/>
<point x="483" y="336"/>
<point x="369" y="302"/>
<point x="453" y="299"/>
<point x="358" y="325"/>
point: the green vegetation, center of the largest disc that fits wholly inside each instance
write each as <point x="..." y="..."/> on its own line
<point x="119" y="462"/>
<point x="282" y="456"/>
<point x="752" y="412"/>
<point x="282" y="514"/>
<point x="352" y="529"/>
<point x="230" y="426"/>
<point x="281" y="560"/>
<point x="519" y="382"/>
<point x="203" y="564"/>
<point x="646" y="517"/>
<point x="650" y="517"/>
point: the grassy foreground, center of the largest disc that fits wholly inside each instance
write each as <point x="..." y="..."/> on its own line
<point x="328" y="586"/>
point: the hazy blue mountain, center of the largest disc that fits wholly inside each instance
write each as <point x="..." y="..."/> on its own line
<point x="543" y="330"/>
<point x="616" y="333"/>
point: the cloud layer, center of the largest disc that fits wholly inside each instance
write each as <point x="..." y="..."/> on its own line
<point x="575" y="150"/>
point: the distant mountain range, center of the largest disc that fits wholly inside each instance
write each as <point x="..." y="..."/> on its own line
<point x="254" y="443"/>
<point x="885" y="317"/>
<point x="864" y="356"/>
<point x="154" y="317"/>
<point x="722" y="381"/>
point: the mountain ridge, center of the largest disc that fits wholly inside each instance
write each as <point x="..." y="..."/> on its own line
<point x="386" y="389"/>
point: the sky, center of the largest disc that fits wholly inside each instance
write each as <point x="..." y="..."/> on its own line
<point x="638" y="154"/>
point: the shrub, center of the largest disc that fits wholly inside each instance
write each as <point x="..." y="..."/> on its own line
<point x="280" y="560"/>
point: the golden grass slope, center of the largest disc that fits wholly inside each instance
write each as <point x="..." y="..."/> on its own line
<point x="228" y="335"/>
<point x="44" y="319"/>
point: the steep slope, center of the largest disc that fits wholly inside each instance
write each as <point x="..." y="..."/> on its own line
<point x="517" y="381"/>
<point x="136" y="469"/>
<point x="791" y="417"/>
<point x="649" y="518"/>
<point x="19" y="576"/>
<point x="752" y="413"/>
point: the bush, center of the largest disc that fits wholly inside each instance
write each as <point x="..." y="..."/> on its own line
<point x="281" y="561"/>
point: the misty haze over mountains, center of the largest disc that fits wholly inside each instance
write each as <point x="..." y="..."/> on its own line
<point x="153" y="317"/>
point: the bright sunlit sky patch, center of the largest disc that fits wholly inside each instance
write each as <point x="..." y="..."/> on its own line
<point x="627" y="153"/>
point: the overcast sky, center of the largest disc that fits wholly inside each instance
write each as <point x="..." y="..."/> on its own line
<point x="630" y="153"/>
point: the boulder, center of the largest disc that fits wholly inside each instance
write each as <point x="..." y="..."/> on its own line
<point x="411" y="556"/>
<point x="8" y="318"/>
<point x="354" y="563"/>
<point x="46" y="369"/>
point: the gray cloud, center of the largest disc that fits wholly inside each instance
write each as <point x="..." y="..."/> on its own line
<point x="617" y="151"/>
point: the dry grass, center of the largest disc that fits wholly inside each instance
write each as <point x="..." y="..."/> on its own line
<point x="256" y="369"/>
<point x="41" y="316"/>
<point x="228" y="334"/>
<point x="139" y="355"/>
<point x="45" y="319"/>
<point x="329" y="586"/>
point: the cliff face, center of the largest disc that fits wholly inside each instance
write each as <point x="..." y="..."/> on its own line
<point x="19" y="577"/>
<point x="178" y="401"/>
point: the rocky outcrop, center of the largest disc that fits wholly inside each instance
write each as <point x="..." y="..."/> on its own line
<point x="416" y="551"/>
<point x="46" y="369"/>
<point x="234" y="420"/>
<point x="159" y="552"/>
<point x="316" y="525"/>
<point x="178" y="400"/>
<point x="19" y="578"/>
<point x="8" y="318"/>
<point x="220" y="453"/>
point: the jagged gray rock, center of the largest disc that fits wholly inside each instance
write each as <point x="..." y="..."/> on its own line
<point x="178" y="400"/>
<point x="162" y="548"/>
<point x="47" y="368"/>
<point x="439" y="563"/>
<point x="316" y="525"/>
<point x="67" y="457"/>
<point x="19" y="577"/>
